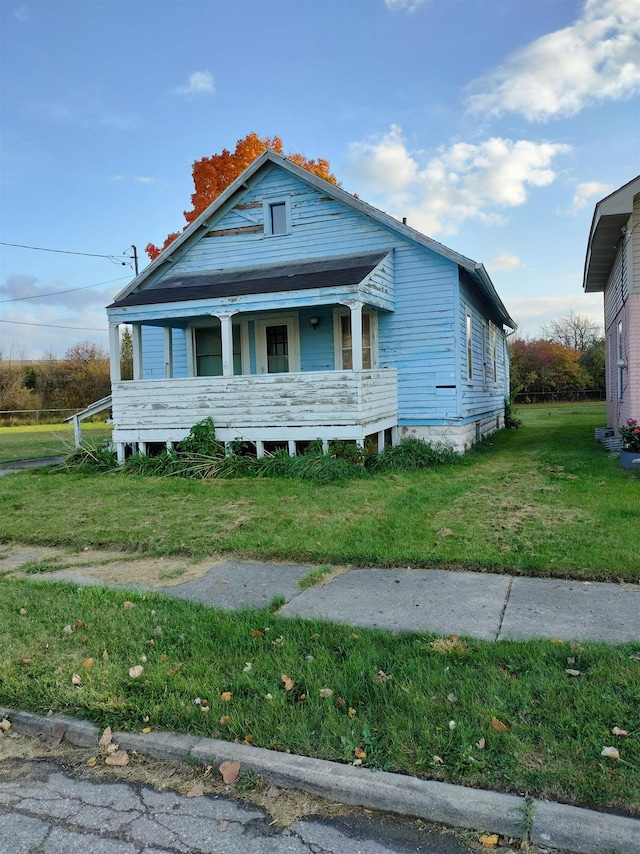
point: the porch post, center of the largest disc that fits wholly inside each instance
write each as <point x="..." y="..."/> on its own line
<point x="226" y="332"/>
<point x="356" y="336"/>
<point x="168" y="352"/>
<point x="136" y="339"/>
<point x="114" y="352"/>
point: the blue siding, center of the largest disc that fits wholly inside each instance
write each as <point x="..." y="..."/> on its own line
<point x="316" y="345"/>
<point x="153" y="353"/>
<point x="481" y="395"/>
<point x="423" y="338"/>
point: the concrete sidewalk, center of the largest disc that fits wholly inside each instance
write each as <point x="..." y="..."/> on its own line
<point x="481" y="605"/>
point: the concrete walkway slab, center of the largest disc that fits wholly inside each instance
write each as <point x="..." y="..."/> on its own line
<point x="463" y="603"/>
<point x="239" y="584"/>
<point x="572" y="610"/>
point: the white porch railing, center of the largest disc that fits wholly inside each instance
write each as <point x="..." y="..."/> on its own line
<point x="297" y="406"/>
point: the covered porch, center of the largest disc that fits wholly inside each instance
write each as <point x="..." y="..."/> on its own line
<point x="273" y="355"/>
<point x="285" y="409"/>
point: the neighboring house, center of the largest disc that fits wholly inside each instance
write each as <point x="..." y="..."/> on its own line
<point x="291" y="311"/>
<point x="613" y="266"/>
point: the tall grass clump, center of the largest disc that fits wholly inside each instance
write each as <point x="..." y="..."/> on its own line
<point x="410" y="455"/>
<point x="90" y="457"/>
<point x="201" y="456"/>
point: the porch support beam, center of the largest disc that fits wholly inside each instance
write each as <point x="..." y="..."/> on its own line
<point x="356" y="335"/>
<point x="355" y="307"/>
<point x="114" y="352"/>
<point x="136" y="338"/>
<point x="226" y="332"/>
<point x="168" y="353"/>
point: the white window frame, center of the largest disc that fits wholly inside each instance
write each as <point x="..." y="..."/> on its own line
<point x="205" y="323"/>
<point x="620" y="358"/>
<point x="343" y="311"/>
<point x="468" y="328"/>
<point x="485" y="356"/>
<point x="493" y="348"/>
<point x="266" y="213"/>
<point x="292" y="322"/>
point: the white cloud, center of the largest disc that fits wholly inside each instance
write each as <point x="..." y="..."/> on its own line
<point x="141" y="179"/>
<point x="405" y="5"/>
<point x="200" y="82"/>
<point x="587" y="191"/>
<point x="595" y="59"/>
<point x="22" y="293"/>
<point x="463" y="182"/>
<point x="505" y="261"/>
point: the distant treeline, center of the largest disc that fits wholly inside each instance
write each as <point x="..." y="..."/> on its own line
<point x="72" y="383"/>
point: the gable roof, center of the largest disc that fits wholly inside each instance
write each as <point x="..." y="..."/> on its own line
<point x="609" y="218"/>
<point x="170" y="255"/>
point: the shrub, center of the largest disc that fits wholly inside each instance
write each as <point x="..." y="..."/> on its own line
<point x="201" y="440"/>
<point x="411" y="454"/>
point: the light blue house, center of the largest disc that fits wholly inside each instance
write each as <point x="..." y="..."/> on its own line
<point x="291" y="311"/>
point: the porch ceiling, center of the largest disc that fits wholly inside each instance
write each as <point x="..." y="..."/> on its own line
<point x="294" y="276"/>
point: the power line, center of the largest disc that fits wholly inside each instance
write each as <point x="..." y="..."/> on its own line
<point x="63" y="251"/>
<point x="68" y="291"/>
<point x="54" y="326"/>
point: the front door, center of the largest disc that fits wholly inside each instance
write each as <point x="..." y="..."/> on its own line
<point x="277" y="344"/>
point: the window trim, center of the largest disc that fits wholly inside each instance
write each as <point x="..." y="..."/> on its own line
<point x="343" y="311"/>
<point x="468" y="326"/>
<point x="267" y="204"/>
<point x="620" y="358"/>
<point x="493" y="348"/>
<point x="485" y="355"/>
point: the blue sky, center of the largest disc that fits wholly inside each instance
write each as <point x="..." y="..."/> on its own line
<point x="494" y="126"/>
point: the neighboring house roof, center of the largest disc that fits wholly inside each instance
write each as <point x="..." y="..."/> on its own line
<point x="609" y="218"/>
<point x="220" y="205"/>
<point x="325" y="272"/>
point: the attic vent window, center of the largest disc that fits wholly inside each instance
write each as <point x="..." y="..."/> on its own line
<point x="277" y="217"/>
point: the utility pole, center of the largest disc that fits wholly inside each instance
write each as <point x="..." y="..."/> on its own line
<point x="135" y="259"/>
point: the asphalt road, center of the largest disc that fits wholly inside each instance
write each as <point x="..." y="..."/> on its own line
<point x="48" y="808"/>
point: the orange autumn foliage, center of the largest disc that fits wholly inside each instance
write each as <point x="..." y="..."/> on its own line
<point x="212" y="175"/>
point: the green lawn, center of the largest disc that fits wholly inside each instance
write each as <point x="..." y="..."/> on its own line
<point x="545" y="499"/>
<point x="504" y="716"/>
<point x="542" y="500"/>
<point x="44" y="440"/>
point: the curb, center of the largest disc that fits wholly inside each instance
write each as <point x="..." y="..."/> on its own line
<point x="555" y="825"/>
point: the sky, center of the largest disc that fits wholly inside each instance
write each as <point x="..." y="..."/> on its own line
<point x="494" y="126"/>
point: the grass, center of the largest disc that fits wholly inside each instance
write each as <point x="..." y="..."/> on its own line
<point x="44" y="440"/>
<point x="543" y="500"/>
<point x="409" y="703"/>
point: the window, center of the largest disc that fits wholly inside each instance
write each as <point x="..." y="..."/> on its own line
<point x="277" y="349"/>
<point x="620" y="359"/>
<point x="469" y="346"/>
<point x="208" y="350"/>
<point x="493" y="345"/>
<point x="485" y="360"/>
<point x="344" y="342"/>
<point x="277" y="217"/>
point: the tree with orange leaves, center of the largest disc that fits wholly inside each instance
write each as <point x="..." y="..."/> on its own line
<point x="212" y="175"/>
